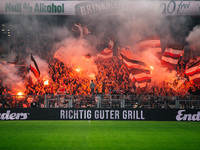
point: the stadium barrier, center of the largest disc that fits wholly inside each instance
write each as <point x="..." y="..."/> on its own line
<point x="110" y="101"/>
<point x="100" y="101"/>
<point x="100" y="114"/>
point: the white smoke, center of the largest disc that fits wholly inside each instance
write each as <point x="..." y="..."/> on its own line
<point x="193" y="40"/>
<point x="71" y="52"/>
<point x="42" y="65"/>
<point x="11" y="79"/>
<point x="127" y="27"/>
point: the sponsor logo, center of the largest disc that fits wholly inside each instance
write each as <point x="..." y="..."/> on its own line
<point x="13" y="116"/>
<point x="102" y="114"/>
<point x="37" y="8"/>
<point x="133" y="115"/>
<point x="175" y="7"/>
<point x="75" y="114"/>
<point x="181" y="116"/>
<point x="90" y="8"/>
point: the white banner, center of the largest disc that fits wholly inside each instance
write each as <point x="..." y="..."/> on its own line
<point x="83" y="8"/>
<point x="28" y="7"/>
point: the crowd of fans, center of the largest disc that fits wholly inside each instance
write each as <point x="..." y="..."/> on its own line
<point x="112" y="76"/>
<point x="112" y="79"/>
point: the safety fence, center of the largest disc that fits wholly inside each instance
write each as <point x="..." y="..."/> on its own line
<point x="100" y="101"/>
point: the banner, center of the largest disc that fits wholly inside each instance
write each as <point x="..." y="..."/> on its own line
<point x="176" y="82"/>
<point x="100" y="114"/>
<point x="84" y="8"/>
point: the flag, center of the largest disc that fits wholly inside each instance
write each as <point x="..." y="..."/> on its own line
<point x="15" y="61"/>
<point x="171" y="56"/>
<point x="111" y="43"/>
<point x="130" y="63"/>
<point x="176" y="82"/>
<point x="78" y="25"/>
<point x="125" y="52"/>
<point x="107" y="53"/>
<point x="83" y="30"/>
<point x="29" y="82"/>
<point x="149" y="42"/>
<point x="34" y="67"/>
<point x="140" y="76"/>
<point x="193" y="70"/>
<point x="139" y="72"/>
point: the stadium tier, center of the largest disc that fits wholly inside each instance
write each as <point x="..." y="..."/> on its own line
<point x="99" y="54"/>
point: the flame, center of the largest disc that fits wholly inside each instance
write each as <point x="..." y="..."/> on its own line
<point x="77" y="69"/>
<point x="151" y="67"/>
<point x="20" y="93"/>
<point x="46" y="82"/>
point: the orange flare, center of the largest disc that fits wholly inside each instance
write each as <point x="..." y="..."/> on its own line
<point x="78" y="70"/>
<point x="20" y="93"/>
<point x="151" y="67"/>
<point x="46" y="82"/>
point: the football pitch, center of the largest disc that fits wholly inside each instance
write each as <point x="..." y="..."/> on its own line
<point x="102" y="135"/>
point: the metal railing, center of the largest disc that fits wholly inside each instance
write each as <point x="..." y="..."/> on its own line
<point x="110" y="101"/>
<point x="99" y="101"/>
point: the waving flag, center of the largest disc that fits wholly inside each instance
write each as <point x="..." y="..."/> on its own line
<point x="125" y="52"/>
<point x="34" y="67"/>
<point x="130" y="63"/>
<point x="171" y="56"/>
<point x="193" y="70"/>
<point x="111" y="43"/>
<point x="142" y="77"/>
<point x="107" y="53"/>
<point x="83" y="30"/>
<point x="78" y="25"/>
<point x="15" y="61"/>
<point x="176" y="82"/>
<point x="149" y="42"/>
<point x="138" y="71"/>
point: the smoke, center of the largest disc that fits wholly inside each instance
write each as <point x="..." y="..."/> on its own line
<point x="42" y="65"/>
<point x="193" y="40"/>
<point x="71" y="52"/>
<point x="138" y="24"/>
<point x="11" y="79"/>
<point x="9" y="73"/>
<point x="45" y="35"/>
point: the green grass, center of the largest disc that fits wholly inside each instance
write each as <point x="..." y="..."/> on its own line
<point x="102" y="135"/>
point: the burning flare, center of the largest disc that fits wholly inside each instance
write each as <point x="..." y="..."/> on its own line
<point x="78" y="70"/>
<point x="20" y="93"/>
<point x="151" y="67"/>
<point x="46" y="82"/>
